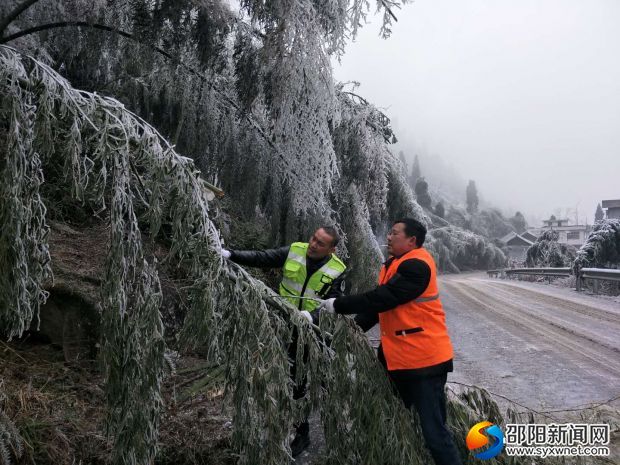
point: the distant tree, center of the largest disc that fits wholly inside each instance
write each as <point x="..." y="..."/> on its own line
<point x="518" y="222"/>
<point x="440" y="211"/>
<point x="472" y="197"/>
<point x="456" y="216"/>
<point x="422" y="195"/>
<point x="415" y="172"/>
<point x="457" y="250"/>
<point x="401" y="155"/>
<point x="490" y="223"/>
<point x="547" y="251"/>
<point x="599" y="215"/>
<point x="602" y="247"/>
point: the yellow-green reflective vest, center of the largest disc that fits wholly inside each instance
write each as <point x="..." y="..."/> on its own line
<point x="294" y="277"/>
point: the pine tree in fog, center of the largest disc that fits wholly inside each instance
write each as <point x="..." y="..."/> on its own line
<point x="471" y="197"/>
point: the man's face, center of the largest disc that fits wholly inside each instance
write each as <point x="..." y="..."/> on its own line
<point x="398" y="242"/>
<point x="320" y="245"/>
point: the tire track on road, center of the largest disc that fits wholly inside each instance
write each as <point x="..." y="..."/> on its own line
<point x="553" y="310"/>
<point x="608" y="357"/>
<point x="570" y="305"/>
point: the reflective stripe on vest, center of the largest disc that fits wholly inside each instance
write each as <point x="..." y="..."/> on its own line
<point x="414" y="335"/>
<point x="427" y="299"/>
<point x="294" y="277"/>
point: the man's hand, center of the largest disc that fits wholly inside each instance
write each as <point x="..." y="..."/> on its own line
<point x="327" y="305"/>
<point x="225" y="253"/>
<point x="306" y="314"/>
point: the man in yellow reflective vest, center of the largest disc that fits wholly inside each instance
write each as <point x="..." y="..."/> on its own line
<point x="310" y="270"/>
<point x="415" y="347"/>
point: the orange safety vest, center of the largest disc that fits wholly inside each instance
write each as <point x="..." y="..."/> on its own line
<point x="414" y="334"/>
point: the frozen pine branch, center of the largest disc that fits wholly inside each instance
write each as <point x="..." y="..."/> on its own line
<point x="11" y="442"/>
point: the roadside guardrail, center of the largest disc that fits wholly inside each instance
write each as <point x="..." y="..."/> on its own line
<point x="597" y="275"/>
<point x="594" y="274"/>
<point x="558" y="272"/>
<point x="496" y="273"/>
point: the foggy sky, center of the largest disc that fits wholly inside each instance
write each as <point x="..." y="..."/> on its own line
<point x="522" y="96"/>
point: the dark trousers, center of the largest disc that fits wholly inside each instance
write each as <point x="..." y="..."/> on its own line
<point x="299" y="390"/>
<point x="427" y="395"/>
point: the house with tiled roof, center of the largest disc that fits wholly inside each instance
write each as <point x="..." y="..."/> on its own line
<point x="531" y="235"/>
<point x="516" y="246"/>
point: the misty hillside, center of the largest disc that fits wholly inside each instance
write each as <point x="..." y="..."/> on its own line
<point x="456" y="210"/>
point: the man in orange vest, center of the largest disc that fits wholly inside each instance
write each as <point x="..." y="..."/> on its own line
<point x="415" y="347"/>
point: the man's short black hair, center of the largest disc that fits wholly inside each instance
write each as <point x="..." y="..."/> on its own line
<point x="333" y="233"/>
<point x="414" y="228"/>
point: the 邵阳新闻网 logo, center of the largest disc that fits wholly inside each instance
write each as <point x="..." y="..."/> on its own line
<point x="482" y="434"/>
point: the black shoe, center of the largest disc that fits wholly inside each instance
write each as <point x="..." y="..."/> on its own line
<point x="300" y="443"/>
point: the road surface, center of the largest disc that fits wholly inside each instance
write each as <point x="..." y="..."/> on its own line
<point x="542" y="346"/>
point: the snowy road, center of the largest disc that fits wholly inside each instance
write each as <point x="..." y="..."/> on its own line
<point x="540" y="345"/>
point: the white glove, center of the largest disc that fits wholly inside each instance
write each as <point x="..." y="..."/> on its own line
<point x="327" y="305"/>
<point x="306" y="315"/>
<point x="225" y="253"/>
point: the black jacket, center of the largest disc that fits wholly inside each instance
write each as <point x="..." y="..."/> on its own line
<point x="409" y="282"/>
<point x="270" y="258"/>
<point x="275" y="258"/>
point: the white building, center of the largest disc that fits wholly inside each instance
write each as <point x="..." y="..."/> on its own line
<point x="612" y="208"/>
<point x="574" y="235"/>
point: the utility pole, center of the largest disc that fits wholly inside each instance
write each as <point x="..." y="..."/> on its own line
<point x="577" y="213"/>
